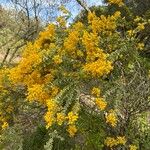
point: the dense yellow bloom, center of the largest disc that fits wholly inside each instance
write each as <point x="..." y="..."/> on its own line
<point x="72" y="130"/>
<point x="71" y="42"/>
<point x="46" y="36"/>
<point x="49" y="118"/>
<point x="118" y="2"/>
<point x="133" y="147"/>
<point x="98" y="68"/>
<point x="72" y="118"/>
<point x="103" y="24"/>
<point x="37" y="93"/>
<point x="33" y="78"/>
<point x="51" y="105"/>
<point x="81" y="50"/>
<point x="31" y="58"/>
<point x="111" y="118"/>
<point x="96" y="91"/>
<point x="52" y="108"/>
<point x="60" y="118"/>
<point x="101" y="103"/>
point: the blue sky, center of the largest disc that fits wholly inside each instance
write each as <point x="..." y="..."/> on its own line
<point x="72" y="6"/>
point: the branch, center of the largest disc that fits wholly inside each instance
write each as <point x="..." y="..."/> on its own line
<point x="82" y="4"/>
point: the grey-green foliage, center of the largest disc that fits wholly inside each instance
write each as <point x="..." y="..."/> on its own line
<point x="11" y="139"/>
<point x="49" y="143"/>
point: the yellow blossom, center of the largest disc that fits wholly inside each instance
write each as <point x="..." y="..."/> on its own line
<point x="51" y="105"/>
<point x="96" y="91"/>
<point x="110" y="142"/>
<point x="57" y="59"/>
<point x="137" y="19"/>
<point x="60" y="118"/>
<point x="117" y="14"/>
<point x="111" y="118"/>
<point x="72" y="118"/>
<point x="121" y="140"/>
<point x="141" y="26"/>
<point x="49" y="119"/>
<point x="49" y="116"/>
<point x="4" y="125"/>
<point x="118" y="2"/>
<point x="130" y="33"/>
<point x="37" y="93"/>
<point x="133" y="147"/>
<point x="98" y="68"/>
<point x="140" y="46"/>
<point x="101" y="103"/>
<point x="72" y="130"/>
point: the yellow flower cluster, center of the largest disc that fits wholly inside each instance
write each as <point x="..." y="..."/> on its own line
<point x="3" y="121"/>
<point x="133" y="147"/>
<point x="72" y="130"/>
<point x="57" y="59"/>
<point x="31" y="58"/>
<point x="137" y="19"/>
<point x="52" y="108"/>
<point x="101" y="103"/>
<point x="112" y="142"/>
<point x="98" y="68"/>
<point x="72" y="118"/>
<point x="71" y="42"/>
<point x="96" y="60"/>
<point x="103" y="24"/>
<point x="45" y="37"/>
<point x="4" y="125"/>
<point x="140" y="46"/>
<point x="118" y="2"/>
<point x="78" y="51"/>
<point x="96" y="92"/>
<point x="60" y="118"/>
<point x="111" y="118"/>
<point x="37" y="93"/>
<point x="141" y="26"/>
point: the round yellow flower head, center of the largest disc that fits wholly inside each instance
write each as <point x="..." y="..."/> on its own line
<point x="121" y="140"/>
<point x="72" y="130"/>
<point x="72" y="118"/>
<point x="4" y="125"/>
<point x="101" y="103"/>
<point x="111" y="118"/>
<point x="133" y="147"/>
<point x="60" y="118"/>
<point x="96" y="91"/>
